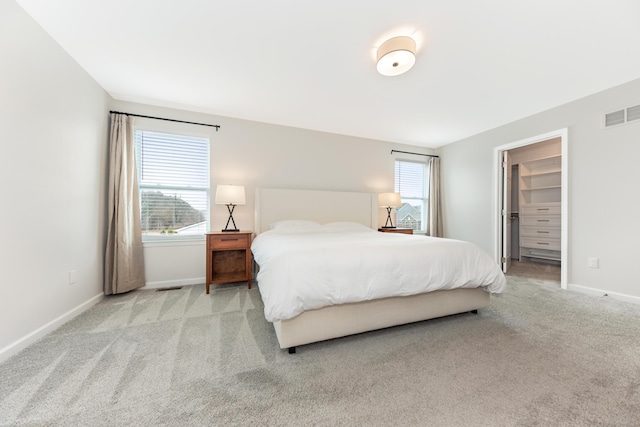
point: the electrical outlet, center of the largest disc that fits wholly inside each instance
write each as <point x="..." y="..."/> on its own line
<point x="592" y="262"/>
<point x="72" y="277"/>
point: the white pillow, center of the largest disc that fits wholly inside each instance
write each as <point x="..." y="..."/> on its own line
<point x="294" y="224"/>
<point x="346" y="226"/>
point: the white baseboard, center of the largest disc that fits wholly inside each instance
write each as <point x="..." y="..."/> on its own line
<point x="600" y="293"/>
<point x="34" y="336"/>
<point x="170" y="283"/>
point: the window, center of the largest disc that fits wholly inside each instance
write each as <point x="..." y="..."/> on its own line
<point x="412" y="182"/>
<point x="173" y="179"/>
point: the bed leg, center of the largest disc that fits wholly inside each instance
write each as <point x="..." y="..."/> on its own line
<point x="292" y="350"/>
<point x="474" y="311"/>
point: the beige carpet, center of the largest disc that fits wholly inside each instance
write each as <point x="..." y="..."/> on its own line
<point x="537" y="357"/>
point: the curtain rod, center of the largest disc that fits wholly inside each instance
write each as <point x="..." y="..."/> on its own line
<point x="417" y="154"/>
<point x="167" y="120"/>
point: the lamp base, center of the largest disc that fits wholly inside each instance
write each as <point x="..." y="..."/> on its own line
<point x="389" y="219"/>
<point x="231" y="207"/>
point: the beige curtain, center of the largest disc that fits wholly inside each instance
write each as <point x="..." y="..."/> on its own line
<point x="124" y="259"/>
<point x="434" y="227"/>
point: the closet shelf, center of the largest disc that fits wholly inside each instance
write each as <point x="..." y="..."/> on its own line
<point x="542" y="172"/>
<point x="540" y="159"/>
<point x="542" y="188"/>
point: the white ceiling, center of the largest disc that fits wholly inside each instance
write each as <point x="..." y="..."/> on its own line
<point x="311" y="64"/>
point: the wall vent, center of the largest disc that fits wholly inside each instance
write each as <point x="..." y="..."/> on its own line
<point x="633" y="113"/>
<point x="615" y="118"/>
<point x="169" y="288"/>
<point x="623" y="116"/>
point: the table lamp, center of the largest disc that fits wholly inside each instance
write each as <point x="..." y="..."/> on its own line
<point x="389" y="201"/>
<point x="230" y="195"/>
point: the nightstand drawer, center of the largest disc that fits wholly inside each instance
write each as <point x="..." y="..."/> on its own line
<point x="229" y="242"/>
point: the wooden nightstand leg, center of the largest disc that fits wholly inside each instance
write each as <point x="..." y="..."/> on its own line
<point x="207" y="287"/>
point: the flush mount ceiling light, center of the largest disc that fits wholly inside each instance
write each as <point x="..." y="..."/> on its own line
<point x="396" y="56"/>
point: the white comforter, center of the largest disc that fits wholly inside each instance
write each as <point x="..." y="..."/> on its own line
<point x="307" y="269"/>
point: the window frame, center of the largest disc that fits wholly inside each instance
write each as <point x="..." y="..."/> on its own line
<point x="425" y="192"/>
<point x="161" y="240"/>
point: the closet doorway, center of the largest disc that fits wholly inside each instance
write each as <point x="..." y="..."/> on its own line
<point x="531" y="203"/>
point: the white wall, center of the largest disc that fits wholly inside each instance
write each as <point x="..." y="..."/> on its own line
<point x="603" y="174"/>
<point x="53" y="130"/>
<point x="255" y="155"/>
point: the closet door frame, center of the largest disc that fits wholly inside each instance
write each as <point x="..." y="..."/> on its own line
<point x="498" y="198"/>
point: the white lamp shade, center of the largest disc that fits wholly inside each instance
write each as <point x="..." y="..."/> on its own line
<point x="396" y="56"/>
<point x="389" y="200"/>
<point x="230" y="195"/>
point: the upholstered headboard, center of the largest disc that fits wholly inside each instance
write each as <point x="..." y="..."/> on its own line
<point x="277" y="204"/>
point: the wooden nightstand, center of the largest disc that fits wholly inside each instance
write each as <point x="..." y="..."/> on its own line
<point x="396" y="230"/>
<point x="228" y="257"/>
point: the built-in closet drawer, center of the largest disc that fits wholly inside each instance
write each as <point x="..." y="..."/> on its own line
<point x="540" y="254"/>
<point x="537" y="231"/>
<point x="541" y="243"/>
<point x="540" y="220"/>
<point x="541" y="209"/>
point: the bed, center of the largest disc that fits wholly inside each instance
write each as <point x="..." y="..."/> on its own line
<point x="324" y="271"/>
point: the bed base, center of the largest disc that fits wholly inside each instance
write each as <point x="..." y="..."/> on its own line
<point x="347" y="319"/>
<point x="292" y="350"/>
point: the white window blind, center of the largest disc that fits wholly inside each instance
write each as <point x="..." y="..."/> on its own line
<point x="173" y="179"/>
<point x="411" y="181"/>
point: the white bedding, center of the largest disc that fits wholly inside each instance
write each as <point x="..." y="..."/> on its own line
<point x="308" y="266"/>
